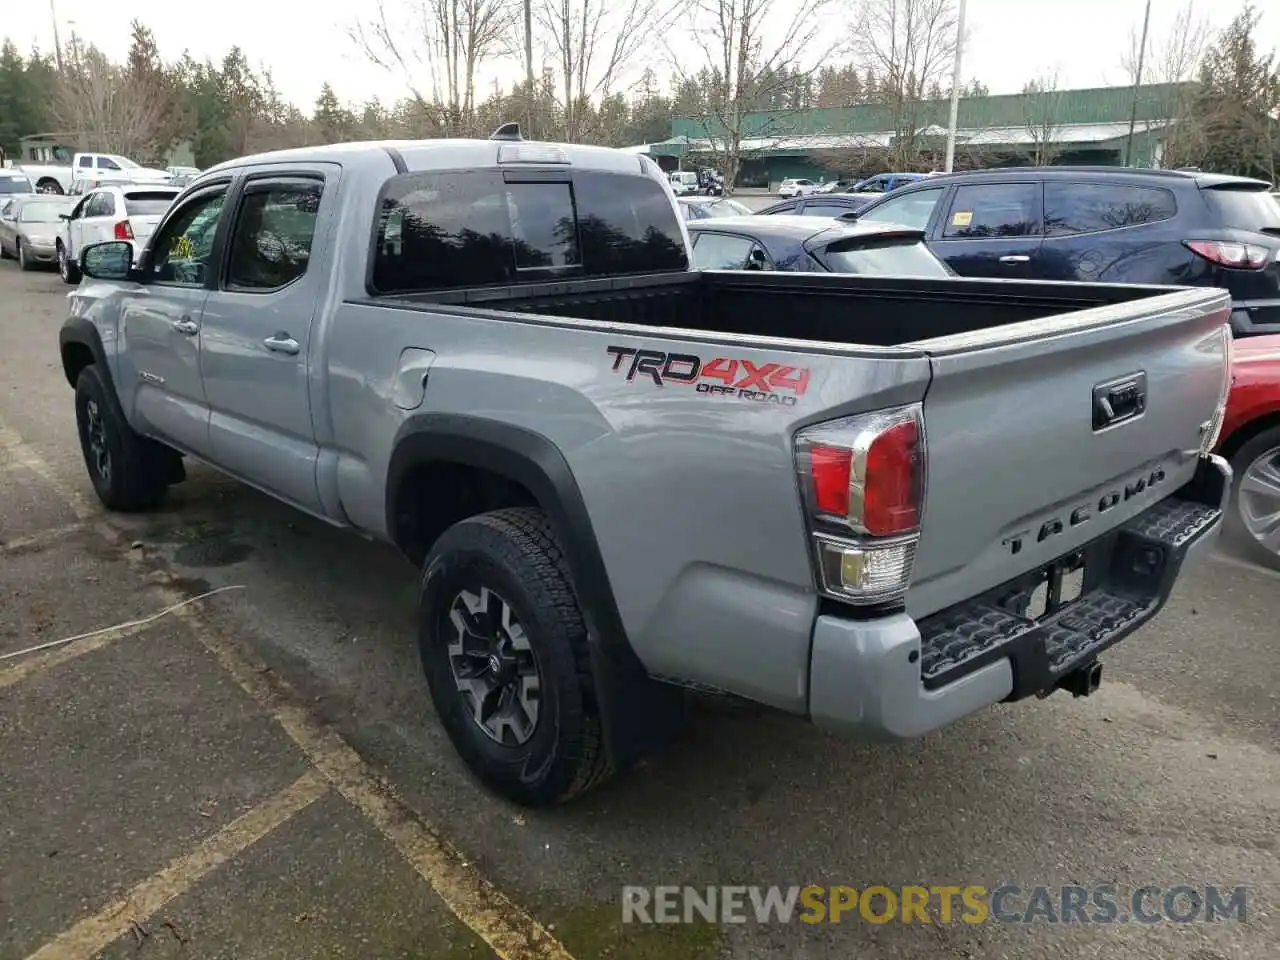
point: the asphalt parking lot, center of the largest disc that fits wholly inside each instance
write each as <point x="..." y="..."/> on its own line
<point x="258" y="773"/>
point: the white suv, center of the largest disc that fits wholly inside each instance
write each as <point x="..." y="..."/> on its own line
<point x="111" y="213"/>
<point x="797" y="187"/>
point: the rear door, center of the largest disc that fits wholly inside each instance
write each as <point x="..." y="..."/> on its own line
<point x="992" y="230"/>
<point x="1111" y="231"/>
<point x="1250" y="214"/>
<point x="1022" y="467"/>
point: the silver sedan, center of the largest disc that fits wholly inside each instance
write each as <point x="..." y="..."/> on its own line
<point x="29" y="229"/>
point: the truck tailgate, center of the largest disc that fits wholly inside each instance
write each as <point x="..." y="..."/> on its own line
<point x="1042" y="436"/>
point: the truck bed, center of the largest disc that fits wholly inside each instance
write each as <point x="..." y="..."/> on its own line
<point x="876" y="311"/>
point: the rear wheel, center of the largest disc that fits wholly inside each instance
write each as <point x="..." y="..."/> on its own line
<point x="48" y="185"/>
<point x="504" y="649"/>
<point x="1254" y="517"/>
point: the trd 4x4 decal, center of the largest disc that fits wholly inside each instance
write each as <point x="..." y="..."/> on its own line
<point x="741" y="379"/>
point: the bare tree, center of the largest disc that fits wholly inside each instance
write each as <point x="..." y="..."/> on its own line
<point x="754" y="53"/>
<point x="108" y="108"/>
<point x="1174" y="55"/>
<point x="910" y="44"/>
<point x="435" y="47"/>
<point x="1042" y="115"/>
<point x="594" y="44"/>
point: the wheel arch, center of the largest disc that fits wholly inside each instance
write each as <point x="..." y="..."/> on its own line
<point x="80" y="344"/>
<point x="1231" y="445"/>
<point x="637" y="712"/>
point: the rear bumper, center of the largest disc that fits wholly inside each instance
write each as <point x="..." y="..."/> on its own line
<point x="893" y="678"/>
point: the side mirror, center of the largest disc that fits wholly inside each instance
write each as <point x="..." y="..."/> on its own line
<point x="64" y="216"/>
<point x="112" y="260"/>
<point x="851" y="215"/>
<point x="756" y="259"/>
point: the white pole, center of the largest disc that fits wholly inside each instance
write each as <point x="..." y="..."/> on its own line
<point x="955" y="89"/>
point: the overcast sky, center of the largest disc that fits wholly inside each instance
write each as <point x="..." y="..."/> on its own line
<point x="305" y="44"/>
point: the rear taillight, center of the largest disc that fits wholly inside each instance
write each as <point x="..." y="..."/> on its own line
<point x="863" y="481"/>
<point x="124" y="231"/>
<point x="1225" y="253"/>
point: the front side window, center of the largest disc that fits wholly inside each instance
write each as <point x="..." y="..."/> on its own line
<point x="183" y="248"/>
<point x="721" y="251"/>
<point x="440" y="231"/>
<point x="271" y="244"/>
<point x="910" y="210"/>
<point x="993" y="210"/>
<point x="106" y="163"/>
<point x="1072" y="208"/>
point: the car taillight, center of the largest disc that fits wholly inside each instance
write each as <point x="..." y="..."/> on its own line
<point x="863" y="483"/>
<point x="124" y="231"/>
<point x="1211" y="430"/>
<point x="1225" y="253"/>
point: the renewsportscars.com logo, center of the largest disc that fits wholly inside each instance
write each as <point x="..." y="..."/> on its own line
<point x="741" y="379"/>
<point x="971" y="904"/>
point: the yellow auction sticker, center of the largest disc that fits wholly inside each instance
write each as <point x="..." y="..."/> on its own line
<point x="962" y="218"/>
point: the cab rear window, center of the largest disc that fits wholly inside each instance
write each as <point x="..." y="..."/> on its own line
<point x="452" y="230"/>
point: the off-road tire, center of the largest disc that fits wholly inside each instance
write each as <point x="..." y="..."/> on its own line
<point x="515" y="554"/>
<point x="140" y="469"/>
<point x="1234" y="527"/>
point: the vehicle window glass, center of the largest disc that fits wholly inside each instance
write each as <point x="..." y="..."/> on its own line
<point x="825" y="209"/>
<point x="182" y="249"/>
<point x="147" y="203"/>
<point x="910" y="210"/>
<point x="474" y="229"/>
<point x="106" y="163"/>
<point x="890" y="258"/>
<point x="86" y="162"/>
<point x="988" y="210"/>
<point x="1245" y="209"/>
<point x="14" y="184"/>
<point x="1071" y="208"/>
<point x="782" y="208"/>
<point x="99" y="205"/>
<point x="40" y="213"/>
<point x="271" y="243"/>
<point x="719" y="251"/>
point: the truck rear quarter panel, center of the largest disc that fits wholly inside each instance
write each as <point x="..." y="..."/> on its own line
<point x="692" y="495"/>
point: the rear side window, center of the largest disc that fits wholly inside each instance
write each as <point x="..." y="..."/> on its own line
<point x="439" y="231"/>
<point x="885" y="258"/>
<point x="1240" y="209"/>
<point x="1072" y="208"/>
<point x="989" y="210"/>
<point x="147" y="203"/>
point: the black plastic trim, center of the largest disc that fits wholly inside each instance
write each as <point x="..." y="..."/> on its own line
<point x="78" y="331"/>
<point x="397" y="159"/>
<point x="638" y="713"/>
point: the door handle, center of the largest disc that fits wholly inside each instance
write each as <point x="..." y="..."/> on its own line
<point x="186" y="325"/>
<point x="281" y="343"/>
<point x="1015" y="258"/>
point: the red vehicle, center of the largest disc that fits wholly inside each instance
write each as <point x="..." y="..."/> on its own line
<point x="1251" y="441"/>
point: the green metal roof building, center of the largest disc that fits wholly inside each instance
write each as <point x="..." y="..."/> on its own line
<point x="1074" y="126"/>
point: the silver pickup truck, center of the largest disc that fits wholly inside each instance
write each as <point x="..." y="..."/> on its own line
<point x="882" y="503"/>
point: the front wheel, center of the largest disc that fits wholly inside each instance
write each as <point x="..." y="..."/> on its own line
<point x="129" y="472"/>
<point x="504" y="649"/>
<point x="1253" y="520"/>
<point x="23" y="262"/>
<point x="67" y="270"/>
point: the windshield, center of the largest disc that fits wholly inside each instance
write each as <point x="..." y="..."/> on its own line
<point x="724" y="208"/>
<point x="12" y="184"/>
<point x="40" y="212"/>
<point x="1253" y="209"/>
<point x="884" y="258"/>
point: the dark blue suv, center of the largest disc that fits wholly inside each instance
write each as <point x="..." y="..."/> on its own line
<point x="1106" y="225"/>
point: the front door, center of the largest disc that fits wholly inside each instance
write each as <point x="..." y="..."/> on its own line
<point x="160" y="324"/>
<point x="993" y="230"/>
<point x="255" y="354"/>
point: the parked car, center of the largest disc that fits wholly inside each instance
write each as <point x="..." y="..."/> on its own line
<point x="1251" y="442"/>
<point x="820" y="205"/>
<point x="176" y="172"/>
<point x="837" y="186"/>
<point x="810" y="244"/>
<point x="110" y="213"/>
<point x="58" y="177"/>
<point x="797" y="187"/>
<point x="1104" y="224"/>
<point x="13" y="183"/>
<point x="684" y="183"/>
<point x="29" y="229"/>
<point x="884" y="182"/>
<point x="836" y="495"/>
<point x="700" y="208"/>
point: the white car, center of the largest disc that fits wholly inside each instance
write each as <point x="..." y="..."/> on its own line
<point x="684" y="183"/>
<point x="111" y="213"/>
<point x="798" y="187"/>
